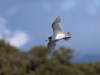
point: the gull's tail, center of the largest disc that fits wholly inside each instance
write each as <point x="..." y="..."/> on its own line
<point x="67" y="34"/>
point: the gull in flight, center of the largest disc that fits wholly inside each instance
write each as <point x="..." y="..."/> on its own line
<point x="57" y="35"/>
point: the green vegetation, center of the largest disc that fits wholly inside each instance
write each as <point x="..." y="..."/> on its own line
<point x="35" y="62"/>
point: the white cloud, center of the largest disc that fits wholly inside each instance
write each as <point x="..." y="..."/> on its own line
<point x="17" y="39"/>
<point x="3" y="29"/>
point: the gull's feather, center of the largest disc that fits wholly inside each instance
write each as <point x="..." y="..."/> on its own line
<point x="51" y="48"/>
<point x="57" y="29"/>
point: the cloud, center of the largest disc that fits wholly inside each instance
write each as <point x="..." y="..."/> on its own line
<point x="17" y="39"/>
<point x="3" y="30"/>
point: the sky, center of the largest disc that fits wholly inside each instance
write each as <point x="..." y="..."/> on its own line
<point x="27" y="23"/>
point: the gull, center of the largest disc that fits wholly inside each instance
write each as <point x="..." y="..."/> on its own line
<point x="57" y="35"/>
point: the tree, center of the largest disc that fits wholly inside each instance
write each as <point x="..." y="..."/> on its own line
<point x="35" y="62"/>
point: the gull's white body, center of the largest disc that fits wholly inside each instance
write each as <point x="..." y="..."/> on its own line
<point x="57" y="35"/>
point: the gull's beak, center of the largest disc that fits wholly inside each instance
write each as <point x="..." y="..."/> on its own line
<point x="47" y="40"/>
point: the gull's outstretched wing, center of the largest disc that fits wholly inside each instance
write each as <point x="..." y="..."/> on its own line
<point x="56" y="26"/>
<point x="51" y="48"/>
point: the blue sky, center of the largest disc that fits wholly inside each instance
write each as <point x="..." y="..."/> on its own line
<point x="27" y="23"/>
